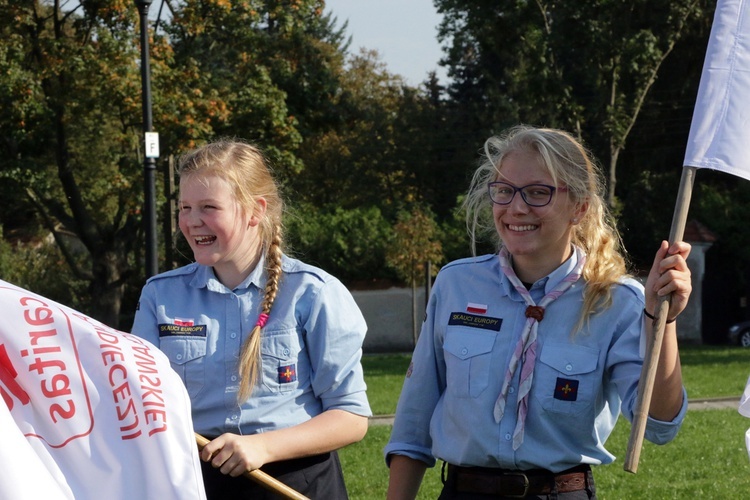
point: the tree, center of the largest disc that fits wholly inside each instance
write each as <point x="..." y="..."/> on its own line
<point x="348" y="243"/>
<point x="71" y="133"/>
<point x="71" y="147"/>
<point x="71" y="127"/>
<point x="584" y="66"/>
<point x="416" y="242"/>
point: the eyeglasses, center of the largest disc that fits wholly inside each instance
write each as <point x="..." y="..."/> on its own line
<point x="535" y="195"/>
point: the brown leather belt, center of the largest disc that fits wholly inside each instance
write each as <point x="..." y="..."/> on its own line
<point x="516" y="484"/>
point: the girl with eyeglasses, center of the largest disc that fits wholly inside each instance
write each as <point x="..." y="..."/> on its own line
<point x="527" y="356"/>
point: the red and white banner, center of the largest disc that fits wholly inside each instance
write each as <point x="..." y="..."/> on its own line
<point x="720" y="131"/>
<point x="88" y="412"/>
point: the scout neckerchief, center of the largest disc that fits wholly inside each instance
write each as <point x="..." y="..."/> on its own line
<point x="526" y="347"/>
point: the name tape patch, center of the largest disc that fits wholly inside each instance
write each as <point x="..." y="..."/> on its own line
<point x="475" y="321"/>
<point x="167" y="330"/>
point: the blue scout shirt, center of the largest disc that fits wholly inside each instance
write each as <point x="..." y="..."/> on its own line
<point x="311" y="345"/>
<point x="581" y="381"/>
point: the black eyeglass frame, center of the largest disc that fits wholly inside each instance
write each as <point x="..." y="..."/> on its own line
<point x="521" y="189"/>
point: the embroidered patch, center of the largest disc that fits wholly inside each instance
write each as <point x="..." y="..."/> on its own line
<point x="168" y="330"/>
<point x="184" y="322"/>
<point x="566" y="389"/>
<point x="475" y="321"/>
<point x="476" y="308"/>
<point x="287" y="374"/>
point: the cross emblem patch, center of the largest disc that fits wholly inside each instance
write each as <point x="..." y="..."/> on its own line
<point x="566" y="389"/>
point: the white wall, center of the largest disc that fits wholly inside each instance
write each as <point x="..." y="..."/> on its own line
<point x="389" y="318"/>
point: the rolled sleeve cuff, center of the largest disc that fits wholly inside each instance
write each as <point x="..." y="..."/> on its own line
<point x="407" y="450"/>
<point x="355" y="403"/>
<point x="661" y="432"/>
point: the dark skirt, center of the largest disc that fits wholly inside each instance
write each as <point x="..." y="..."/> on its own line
<point x="316" y="477"/>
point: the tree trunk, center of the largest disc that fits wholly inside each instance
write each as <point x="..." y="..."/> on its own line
<point x="108" y="288"/>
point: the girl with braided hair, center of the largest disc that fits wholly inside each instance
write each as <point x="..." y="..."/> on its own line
<point x="528" y="355"/>
<point x="268" y="347"/>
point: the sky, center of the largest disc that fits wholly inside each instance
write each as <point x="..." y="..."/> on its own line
<point x="404" y="32"/>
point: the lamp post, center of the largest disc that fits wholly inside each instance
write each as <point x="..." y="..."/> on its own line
<point x="151" y="147"/>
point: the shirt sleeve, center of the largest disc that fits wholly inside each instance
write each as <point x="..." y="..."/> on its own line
<point x="660" y="432"/>
<point x="335" y="330"/>
<point x="145" y="324"/>
<point x="423" y="386"/>
<point x="628" y="353"/>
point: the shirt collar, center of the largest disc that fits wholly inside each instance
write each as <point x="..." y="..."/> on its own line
<point x="206" y="278"/>
<point x="556" y="276"/>
<point x="550" y="281"/>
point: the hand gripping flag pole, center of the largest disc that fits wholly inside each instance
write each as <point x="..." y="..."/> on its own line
<point x="260" y="477"/>
<point x="718" y="140"/>
<point x="653" y="347"/>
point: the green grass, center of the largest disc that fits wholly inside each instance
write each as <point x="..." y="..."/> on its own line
<point x="714" y="371"/>
<point x="707" y="460"/>
<point x="384" y="375"/>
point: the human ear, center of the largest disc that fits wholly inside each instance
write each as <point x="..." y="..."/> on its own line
<point x="258" y="211"/>
<point x="579" y="211"/>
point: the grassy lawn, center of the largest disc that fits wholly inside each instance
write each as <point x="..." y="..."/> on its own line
<point x="708" y="459"/>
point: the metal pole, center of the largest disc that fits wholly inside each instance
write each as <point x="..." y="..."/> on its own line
<point x="149" y="161"/>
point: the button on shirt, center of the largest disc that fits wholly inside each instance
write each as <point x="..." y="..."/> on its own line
<point x="581" y="382"/>
<point x="311" y="345"/>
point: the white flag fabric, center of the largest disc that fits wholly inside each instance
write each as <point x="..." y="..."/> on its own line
<point x="720" y="131"/>
<point x="88" y="412"/>
<point x="22" y="473"/>
<point x="744" y="410"/>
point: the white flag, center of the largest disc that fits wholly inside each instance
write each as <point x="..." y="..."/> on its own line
<point x="720" y="131"/>
<point x="94" y="413"/>
<point x="744" y="410"/>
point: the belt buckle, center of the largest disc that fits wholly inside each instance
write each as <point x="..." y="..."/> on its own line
<point x="525" y="484"/>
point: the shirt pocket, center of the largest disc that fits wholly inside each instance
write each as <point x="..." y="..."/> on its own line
<point x="280" y="354"/>
<point x="187" y="357"/>
<point x="468" y="361"/>
<point x="566" y="379"/>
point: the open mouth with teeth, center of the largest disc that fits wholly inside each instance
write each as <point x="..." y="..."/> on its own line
<point x="204" y="240"/>
<point x="526" y="227"/>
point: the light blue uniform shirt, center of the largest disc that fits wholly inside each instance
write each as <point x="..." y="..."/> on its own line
<point x="581" y="382"/>
<point x="311" y="346"/>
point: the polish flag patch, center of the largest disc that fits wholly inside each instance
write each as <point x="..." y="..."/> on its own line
<point x="184" y="322"/>
<point x="476" y="308"/>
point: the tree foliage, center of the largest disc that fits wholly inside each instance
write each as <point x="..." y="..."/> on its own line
<point x="364" y="159"/>
<point x="69" y="144"/>
<point x="584" y="66"/>
<point x="415" y="242"/>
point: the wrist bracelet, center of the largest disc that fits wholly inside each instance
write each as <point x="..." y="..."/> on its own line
<point x="651" y="316"/>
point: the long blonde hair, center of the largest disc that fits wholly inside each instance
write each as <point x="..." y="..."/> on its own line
<point x="246" y="169"/>
<point x="568" y="162"/>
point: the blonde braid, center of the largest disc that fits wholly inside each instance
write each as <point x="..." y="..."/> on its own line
<point x="250" y="358"/>
<point x="606" y="264"/>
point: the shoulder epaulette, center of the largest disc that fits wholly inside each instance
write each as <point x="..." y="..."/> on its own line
<point x="180" y="271"/>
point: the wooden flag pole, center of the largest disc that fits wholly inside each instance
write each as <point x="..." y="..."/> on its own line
<point x="265" y="480"/>
<point x="653" y="346"/>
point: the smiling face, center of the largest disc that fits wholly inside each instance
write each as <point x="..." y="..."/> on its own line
<point x="220" y="233"/>
<point x="539" y="238"/>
